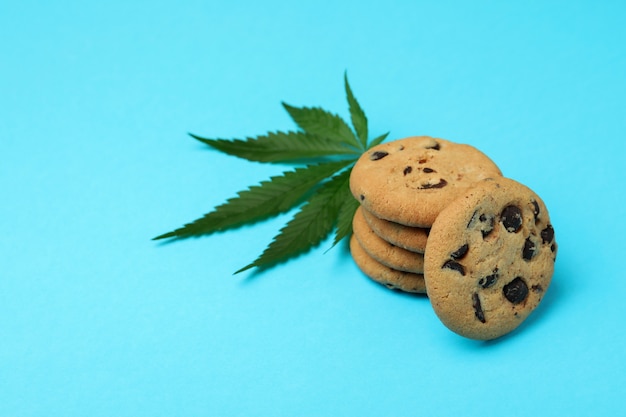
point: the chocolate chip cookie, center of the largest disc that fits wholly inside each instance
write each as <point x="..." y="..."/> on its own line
<point x="490" y="258"/>
<point x="384" y="252"/>
<point x="410" y="238"/>
<point x="391" y="278"/>
<point x="409" y="181"/>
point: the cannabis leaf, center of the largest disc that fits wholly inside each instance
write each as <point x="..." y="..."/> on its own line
<point x="280" y="147"/>
<point x="270" y="198"/>
<point x="310" y="225"/>
<point x="317" y="121"/>
<point x="359" y="121"/>
<point x="320" y="190"/>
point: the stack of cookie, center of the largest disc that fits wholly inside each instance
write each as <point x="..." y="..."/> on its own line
<point x="438" y="217"/>
<point x="402" y="187"/>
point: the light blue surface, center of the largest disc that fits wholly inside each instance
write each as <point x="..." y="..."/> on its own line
<point x="96" y="99"/>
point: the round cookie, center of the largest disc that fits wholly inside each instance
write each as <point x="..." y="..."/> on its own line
<point x="391" y="278"/>
<point x="489" y="259"/>
<point x="409" y="181"/>
<point x="410" y="238"/>
<point x="383" y="251"/>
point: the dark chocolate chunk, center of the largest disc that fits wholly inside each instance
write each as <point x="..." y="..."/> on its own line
<point x="487" y="226"/>
<point x="478" y="308"/>
<point x="553" y="247"/>
<point x="535" y="209"/>
<point x="537" y="288"/>
<point x="489" y="280"/>
<point x="435" y="146"/>
<point x="529" y="249"/>
<point x="407" y="170"/>
<point x="428" y="170"/>
<point x="375" y="156"/>
<point x="547" y="234"/>
<point x="362" y="197"/>
<point x="460" y="252"/>
<point x="516" y="291"/>
<point x="512" y="218"/>
<point x="455" y="266"/>
<point x="442" y="183"/>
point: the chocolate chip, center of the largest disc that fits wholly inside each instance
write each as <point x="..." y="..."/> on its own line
<point x="455" y="266"/>
<point x="516" y="291"/>
<point x="535" y="209"/>
<point x="512" y="218"/>
<point x="407" y="170"/>
<point x="442" y="183"/>
<point x="529" y="249"/>
<point x="489" y="280"/>
<point x="537" y="288"/>
<point x="435" y="146"/>
<point x="362" y="197"/>
<point x="375" y="156"/>
<point x="547" y="234"/>
<point x="488" y="225"/>
<point x="422" y="161"/>
<point x="428" y="170"/>
<point x="478" y="309"/>
<point x="553" y="247"/>
<point x="460" y="252"/>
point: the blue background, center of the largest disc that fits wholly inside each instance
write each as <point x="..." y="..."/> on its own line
<point x="96" y="100"/>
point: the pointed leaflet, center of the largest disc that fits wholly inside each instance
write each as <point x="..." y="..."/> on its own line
<point x="359" y="121"/>
<point x="345" y="215"/>
<point x="378" y="140"/>
<point x="278" y="147"/>
<point x="315" y="220"/>
<point x="272" y="197"/>
<point x="320" y="122"/>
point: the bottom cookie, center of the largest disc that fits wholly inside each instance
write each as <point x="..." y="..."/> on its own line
<point x="391" y="278"/>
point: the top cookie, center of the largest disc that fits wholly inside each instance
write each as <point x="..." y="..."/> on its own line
<point x="489" y="259"/>
<point x="409" y="181"/>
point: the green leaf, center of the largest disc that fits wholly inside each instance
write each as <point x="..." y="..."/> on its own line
<point x="270" y="198"/>
<point x="313" y="222"/>
<point x="279" y="147"/>
<point x="359" y="121"/>
<point x="319" y="122"/>
<point x="348" y="207"/>
<point x="378" y="140"/>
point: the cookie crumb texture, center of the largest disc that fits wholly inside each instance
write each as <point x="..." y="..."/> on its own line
<point x="489" y="259"/>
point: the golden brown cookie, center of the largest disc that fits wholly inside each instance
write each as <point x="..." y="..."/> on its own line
<point x="489" y="259"/>
<point x="409" y="181"/>
<point x="383" y="251"/>
<point x="391" y="278"/>
<point x="410" y="238"/>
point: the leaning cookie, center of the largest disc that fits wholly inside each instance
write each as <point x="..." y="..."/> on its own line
<point x="410" y="238"/>
<point x="391" y="278"/>
<point x="489" y="259"/>
<point x="383" y="251"/>
<point x="409" y="181"/>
